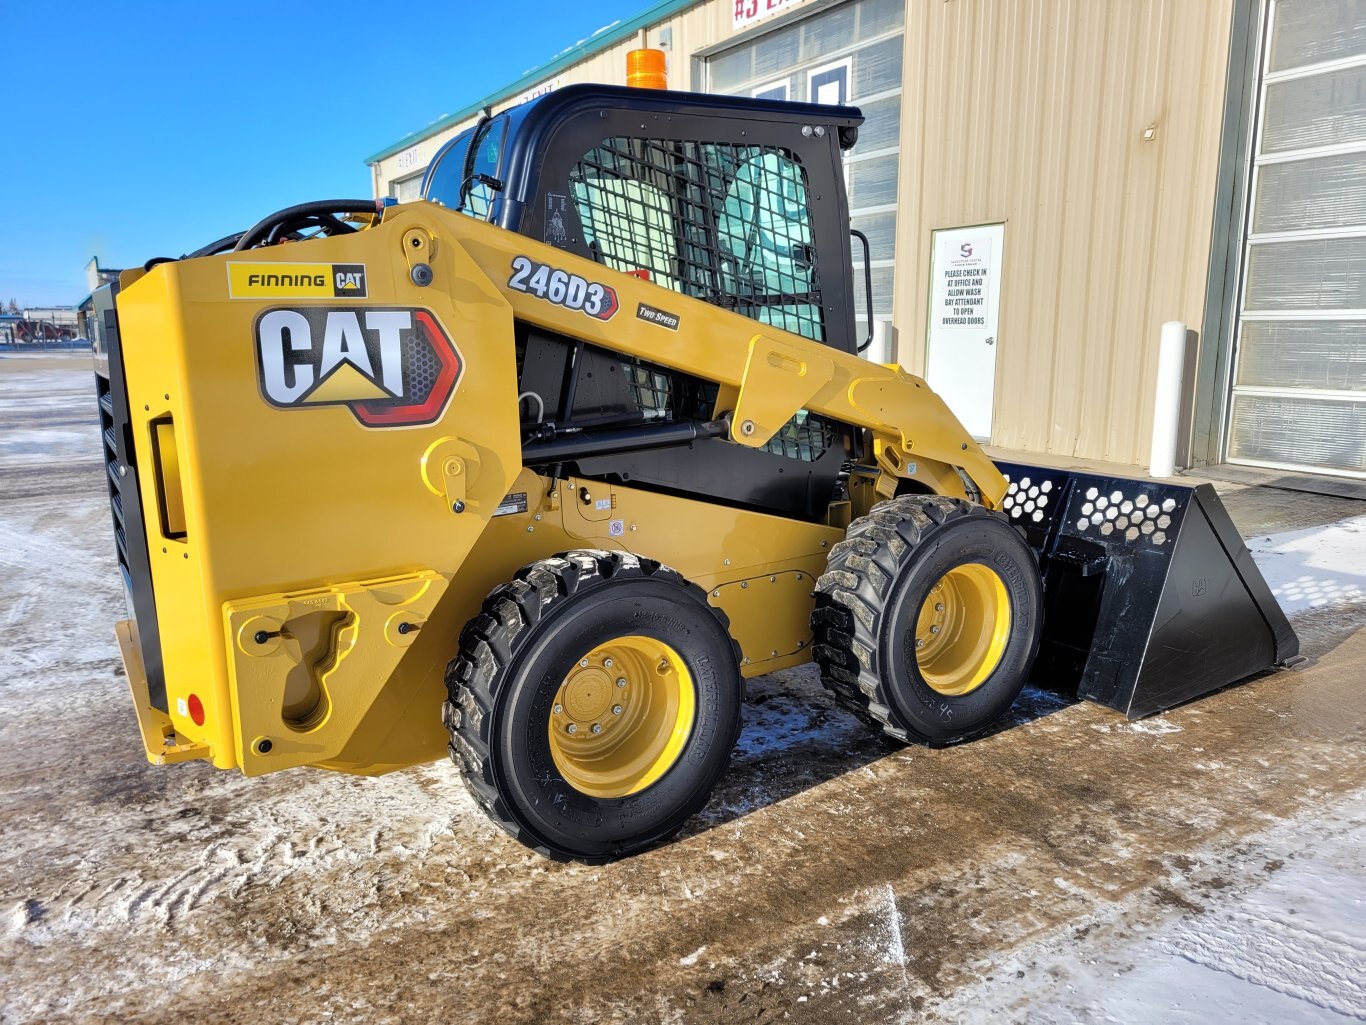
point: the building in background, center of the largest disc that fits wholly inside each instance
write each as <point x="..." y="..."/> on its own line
<point x="95" y="277"/>
<point x="1096" y="169"/>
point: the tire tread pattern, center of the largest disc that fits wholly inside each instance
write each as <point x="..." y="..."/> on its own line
<point x="489" y="645"/>
<point x="852" y="595"/>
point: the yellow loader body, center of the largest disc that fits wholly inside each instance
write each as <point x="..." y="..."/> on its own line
<point x="312" y="571"/>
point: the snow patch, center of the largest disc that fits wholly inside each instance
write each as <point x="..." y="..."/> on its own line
<point x="1157" y="726"/>
<point x="1316" y="567"/>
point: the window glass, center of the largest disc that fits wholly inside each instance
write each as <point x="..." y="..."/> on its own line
<point x="881" y="128"/>
<point x="1320" y="110"/>
<point x="1329" y="192"/>
<point x="877" y="68"/>
<point x="1299" y="431"/>
<point x="729" y="224"/>
<point x="447" y="175"/>
<point x="1313" y="31"/>
<point x="873" y="182"/>
<point x="833" y="31"/>
<point x="878" y="16"/>
<point x="881" y="231"/>
<point x="405" y="190"/>
<point x="1309" y="274"/>
<point x="628" y="224"/>
<point x="776" y="51"/>
<point x="765" y="236"/>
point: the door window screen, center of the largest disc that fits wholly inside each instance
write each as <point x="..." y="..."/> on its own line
<point x="729" y="224"/>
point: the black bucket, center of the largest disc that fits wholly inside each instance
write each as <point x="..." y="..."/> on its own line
<point x="1150" y="596"/>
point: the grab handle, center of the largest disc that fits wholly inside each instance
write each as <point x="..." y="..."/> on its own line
<point x="166" y="477"/>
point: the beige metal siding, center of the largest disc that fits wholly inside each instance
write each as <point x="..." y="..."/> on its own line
<point x="1032" y="112"/>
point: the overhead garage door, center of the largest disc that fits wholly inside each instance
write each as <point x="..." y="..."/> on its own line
<point x="1299" y="389"/>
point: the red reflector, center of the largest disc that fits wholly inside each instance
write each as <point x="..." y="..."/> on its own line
<point x="196" y="709"/>
<point x="640" y="272"/>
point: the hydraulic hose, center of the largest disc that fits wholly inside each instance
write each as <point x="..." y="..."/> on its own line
<point x="313" y="212"/>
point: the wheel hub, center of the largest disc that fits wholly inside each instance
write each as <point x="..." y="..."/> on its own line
<point x="622" y="716"/>
<point x="587" y="694"/>
<point x="962" y="629"/>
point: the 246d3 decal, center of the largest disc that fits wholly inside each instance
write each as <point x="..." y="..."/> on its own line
<point x="563" y="289"/>
<point x="390" y="367"/>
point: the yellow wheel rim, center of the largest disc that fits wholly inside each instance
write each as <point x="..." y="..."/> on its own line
<point x="962" y="629"/>
<point x="622" y="716"/>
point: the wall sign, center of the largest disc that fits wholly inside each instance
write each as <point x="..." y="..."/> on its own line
<point x="749" y="11"/>
<point x="965" y="298"/>
<point x="966" y="275"/>
<point x="540" y="90"/>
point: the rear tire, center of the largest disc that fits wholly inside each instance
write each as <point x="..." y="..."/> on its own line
<point x="594" y="704"/>
<point x="928" y="618"/>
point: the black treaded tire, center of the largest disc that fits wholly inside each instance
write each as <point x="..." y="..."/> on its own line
<point x="870" y="594"/>
<point x="512" y="658"/>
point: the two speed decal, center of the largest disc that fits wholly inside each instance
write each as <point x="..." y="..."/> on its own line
<point x="563" y="289"/>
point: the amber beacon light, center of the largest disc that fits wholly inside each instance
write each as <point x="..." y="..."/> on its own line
<point x="645" y="69"/>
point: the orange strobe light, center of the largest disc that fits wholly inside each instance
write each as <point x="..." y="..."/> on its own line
<point x="645" y="69"/>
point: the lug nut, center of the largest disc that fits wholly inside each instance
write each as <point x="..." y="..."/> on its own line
<point x="559" y="709"/>
<point x="571" y="728"/>
<point x="939" y="606"/>
<point x="597" y="728"/>
<point x="607" y="663"/>
<point x="919" y="642"/>
<point x="934" y="629"/>
<point x="583" y="663"/>
<point x="616" y="710"/>
<point x="621" y="681"/>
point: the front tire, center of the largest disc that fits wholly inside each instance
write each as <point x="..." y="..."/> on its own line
<point x="928" y="618"/>
<point x="594" y="704"/>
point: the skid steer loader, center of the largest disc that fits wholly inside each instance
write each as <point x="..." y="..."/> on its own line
<point x="537" y="470"/>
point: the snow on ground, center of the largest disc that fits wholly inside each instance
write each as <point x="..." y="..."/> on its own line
<point x="1285" y="942"/>
<point x="1205" y="865"/>
<point x="1313" y="568"/>
<point x="57" y="423"/>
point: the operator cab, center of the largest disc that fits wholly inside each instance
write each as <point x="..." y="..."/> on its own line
<point x="739" y="202"/>
<point x="734" y="201"/>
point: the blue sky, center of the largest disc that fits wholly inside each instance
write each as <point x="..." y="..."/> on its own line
<point x="131" y="130"/>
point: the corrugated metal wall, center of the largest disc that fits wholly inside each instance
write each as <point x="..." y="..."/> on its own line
<point x="1032" y="112"/>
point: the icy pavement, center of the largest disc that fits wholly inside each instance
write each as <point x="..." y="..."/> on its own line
<point x="1276" y="934"/>
<point x="1203" y="865"/>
